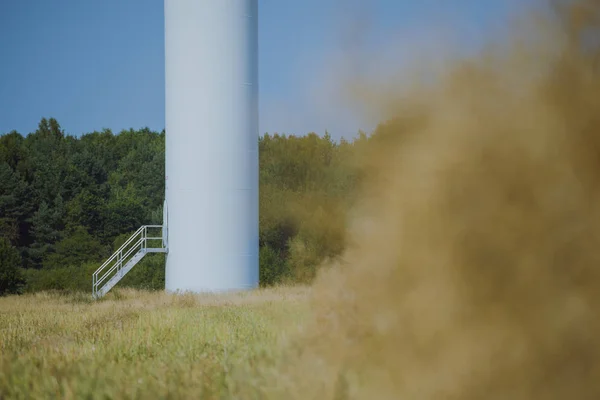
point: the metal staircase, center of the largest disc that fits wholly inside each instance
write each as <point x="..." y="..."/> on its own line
<point x="126" y="257"/>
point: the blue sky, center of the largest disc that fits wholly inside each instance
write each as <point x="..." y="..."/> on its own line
<point x="94" y="64"/>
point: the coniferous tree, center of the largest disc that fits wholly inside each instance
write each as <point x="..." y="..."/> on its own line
<point x="44" y="233"/>
<point x="11" y="277"/>
<point x="75" y="250"/>
<point x="16" y="205"/>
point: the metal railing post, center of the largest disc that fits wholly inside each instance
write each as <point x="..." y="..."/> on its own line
<point x="113" y="267"/>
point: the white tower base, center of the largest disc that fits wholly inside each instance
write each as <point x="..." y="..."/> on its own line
<point x="211" y="72"/>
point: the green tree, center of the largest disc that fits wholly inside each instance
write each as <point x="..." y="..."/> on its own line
<point x="11" y="277"/>
<point x="45" y="232"/>
<point x="47" y="158"/>
<point x="86" y="209"/>
<point x="11" y="149"/>
<point x="16" y="205"/>
<point x="142" y="168"/>
<point x="273" y="268"/>
<point x="76" y="249"/>
<point x="123" y="214"/>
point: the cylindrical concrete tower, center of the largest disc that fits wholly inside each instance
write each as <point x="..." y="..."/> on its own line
<point x="211" y="73"/>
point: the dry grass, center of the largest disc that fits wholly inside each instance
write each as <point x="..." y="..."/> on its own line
<point x="144" y="345"/>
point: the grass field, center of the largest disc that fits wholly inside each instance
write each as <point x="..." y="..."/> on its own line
<point x="142" y="345"/>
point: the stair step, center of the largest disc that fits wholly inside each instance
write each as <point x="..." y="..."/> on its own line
<point x="122" y="272"/>
<point x="132" y="242"/>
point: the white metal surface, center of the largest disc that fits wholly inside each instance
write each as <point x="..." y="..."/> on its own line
<point x="126" y="257"/>
<point x="211" y="72"/>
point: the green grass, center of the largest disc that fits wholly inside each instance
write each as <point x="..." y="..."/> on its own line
<point x="141" y="345"/>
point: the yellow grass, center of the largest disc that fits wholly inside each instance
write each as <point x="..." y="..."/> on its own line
<point x="145" y="345"/>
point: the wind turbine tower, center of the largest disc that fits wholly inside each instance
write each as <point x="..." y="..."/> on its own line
<point x="211" y="111"/>
<point x="210" y="220"/>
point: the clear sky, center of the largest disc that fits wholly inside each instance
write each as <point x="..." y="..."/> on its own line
<point x="94" y="64"/>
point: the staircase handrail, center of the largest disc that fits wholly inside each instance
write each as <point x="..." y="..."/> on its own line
<point x="121" y="261"/>
<point x="116" y="253"/>
<point x="138" y="244"/>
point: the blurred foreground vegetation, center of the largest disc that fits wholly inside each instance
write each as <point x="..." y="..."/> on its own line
<point x="66" y="203"/>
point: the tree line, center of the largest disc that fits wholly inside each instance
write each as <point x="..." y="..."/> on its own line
<point x="66" y="203"/>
